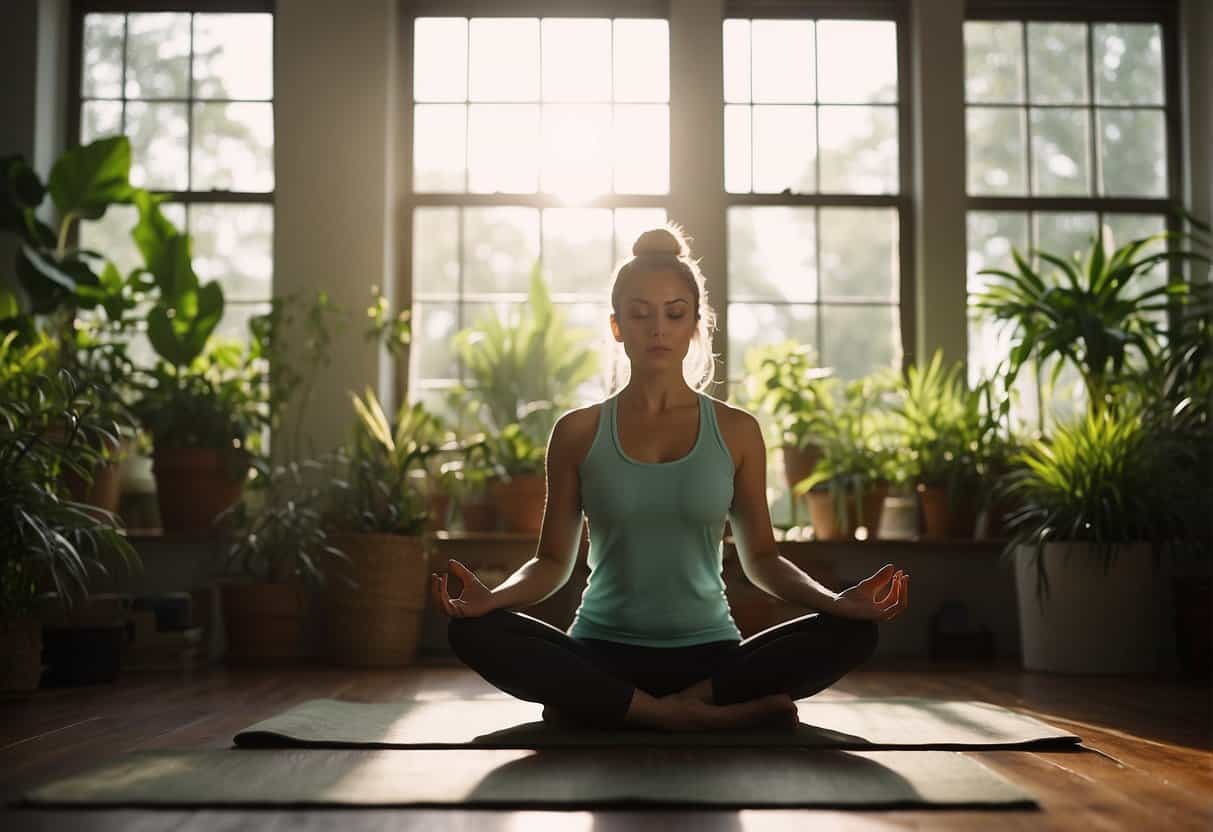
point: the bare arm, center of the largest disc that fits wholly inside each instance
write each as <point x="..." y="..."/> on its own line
<point x="560" y="534"/>
<point x="751" y="521"/>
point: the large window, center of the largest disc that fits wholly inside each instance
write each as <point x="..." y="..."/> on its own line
<point x="535" y="141"/>
<point x="813" y="171"/>
<point x="1068" y="137"/>
<point x="193" y="92"/>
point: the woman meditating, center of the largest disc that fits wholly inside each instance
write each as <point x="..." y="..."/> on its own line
<point x="656" y="469"/>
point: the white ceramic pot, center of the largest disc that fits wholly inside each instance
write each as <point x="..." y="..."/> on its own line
<point x="1091" y="622"/>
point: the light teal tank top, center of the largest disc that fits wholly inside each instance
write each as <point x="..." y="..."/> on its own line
<point x="655" y="552"/>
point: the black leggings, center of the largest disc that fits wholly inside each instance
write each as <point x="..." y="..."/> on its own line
<point x="594" y="680"/>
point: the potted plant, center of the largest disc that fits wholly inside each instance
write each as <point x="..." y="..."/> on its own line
<point x="525" y="373"/>
<point x="784" y="382"/>
<point x="1107" y="489"/>
<point x="76" y="294"/>
<point x="860" y="457"/>
<point x="1103" y="498"/>
<point x="193" y="401"/>
<point x="280" y="553"/>
<point x="949" y="432"/>
<point x="47" y="539"/>
<point x="377" y="516"/>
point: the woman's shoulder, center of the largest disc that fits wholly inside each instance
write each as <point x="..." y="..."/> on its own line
<point x="576" y="428"/>
<point x="730" y="416"/>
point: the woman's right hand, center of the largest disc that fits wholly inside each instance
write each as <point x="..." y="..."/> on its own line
<point x="475" y="600"/>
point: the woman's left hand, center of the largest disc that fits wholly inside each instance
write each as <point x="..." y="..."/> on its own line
<point x="869" y="599"/>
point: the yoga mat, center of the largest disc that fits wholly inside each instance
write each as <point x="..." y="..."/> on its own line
<point x="894" y="722"/>
<point x="565" y="778"/>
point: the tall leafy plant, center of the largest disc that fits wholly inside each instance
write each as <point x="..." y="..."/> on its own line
<point x="1093" y="313"/>
<point x="524" y="371"/>
<point x="784" y="381"/>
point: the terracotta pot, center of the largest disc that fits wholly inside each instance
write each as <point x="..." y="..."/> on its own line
<point x="377" y="624"/>
<point x="105" y="491"/>
<point x="798" y="463"/>
<point x="266" y="623"/>
<point x="520" y="502"/>
<point x="440" y="512"/>
<point x="826" y="525"/>
<point x="940" y="523"/>
<point x="479" y="515"/>
<point x="193" y="485"/>
<point x="20" y="654"/>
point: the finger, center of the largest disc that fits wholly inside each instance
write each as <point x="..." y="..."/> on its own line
<point x="905" y="591"/>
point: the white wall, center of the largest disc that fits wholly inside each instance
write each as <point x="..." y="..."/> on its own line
<point x="333" y="82"/>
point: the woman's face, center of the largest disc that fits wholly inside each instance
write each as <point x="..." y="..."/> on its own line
<point x="656" y="319"/>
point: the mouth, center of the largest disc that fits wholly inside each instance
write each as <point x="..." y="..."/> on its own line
<point x="658" y="349"/>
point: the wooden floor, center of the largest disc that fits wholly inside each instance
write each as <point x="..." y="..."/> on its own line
<point x="1145" y="761"/>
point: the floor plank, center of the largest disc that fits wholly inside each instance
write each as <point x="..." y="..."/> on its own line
<point x="1146" y="760"/>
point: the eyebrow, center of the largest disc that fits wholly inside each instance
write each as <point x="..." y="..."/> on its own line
<point x="667" y="303"/>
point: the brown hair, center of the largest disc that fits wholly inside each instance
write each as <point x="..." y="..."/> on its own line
<point x="667" y="248"/>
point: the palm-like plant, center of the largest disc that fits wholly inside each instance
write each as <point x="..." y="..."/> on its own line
<point x="1089" y="312"/>
<point x="526" y="370"/>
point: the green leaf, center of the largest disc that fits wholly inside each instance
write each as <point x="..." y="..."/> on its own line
<point x="88" y="179"/>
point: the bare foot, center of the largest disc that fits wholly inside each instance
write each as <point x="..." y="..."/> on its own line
<point x="777" y="711"/>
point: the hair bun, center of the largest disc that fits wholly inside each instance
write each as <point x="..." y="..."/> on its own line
<point x="661" y="241"/>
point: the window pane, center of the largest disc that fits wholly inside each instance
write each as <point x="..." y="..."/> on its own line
<point x="1128" y="63"/>
<point x="234" y="56"/>
<point x="858" y="60"/>
<point x="737" y="151"/>
<point x="992" y="237"/>
<point x="1124" y="228"/>
<point x="233" y="325"/>
<point x="99" y="119"/>
<point x="1064" y="234"/>
<point x="439" y="147"/>
<point x="630" y="223"/>
<point x="772" y="254"/>
<point x="1133" y="149"/>
<point x="503" y="148"/>
<point x="997" y="151"/>
<point x="642" y="60"/>
<point x="440" y="59"/>
<point x="431" y="355"/>
<point x="576" y="152"/>
<point x="576" y="59"/>
<point x="737" y="60"/>
<point x="782" y="65"/>
<point x="785" y="149"/>
<point x="504" y="59"/>
<point x="435" y="251"/>
<point x="577" y="252"/>
<point x="994" y="63"/>
<point x="1060" y="140"/>
<point x="234" y="244"/>
<point x="758" y="324"/>
<point x="500" y="247"/>
<point x="233" y="147"/>
<point x="159" y="158"/>
<point x="157" y="55"/>
<point x="1057" y="63"/>
<point x="859" y="254"/>
<point x="642" y="148"/>
<point x="111" y="236"/>
<point x="857" y="340"/>
<point x="101" y="75"/>
<point x="859" y="150"/>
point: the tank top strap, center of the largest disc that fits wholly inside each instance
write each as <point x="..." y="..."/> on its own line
<point x="713" y="426"/>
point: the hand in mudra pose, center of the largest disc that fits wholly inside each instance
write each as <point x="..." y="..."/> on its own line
<point x="869" y="599"/>
<point x="475" y="600"/>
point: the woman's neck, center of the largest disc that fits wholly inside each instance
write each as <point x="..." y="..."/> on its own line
<point x="657" y="393"/>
